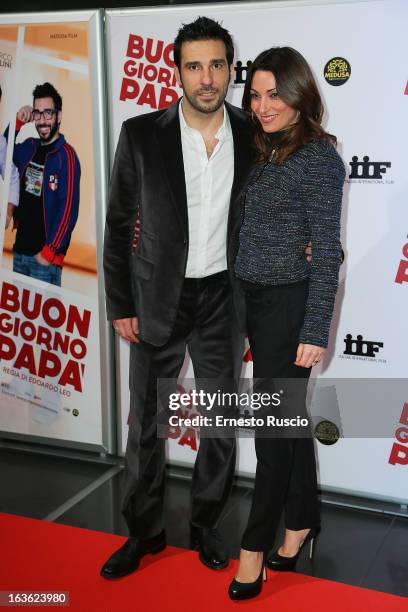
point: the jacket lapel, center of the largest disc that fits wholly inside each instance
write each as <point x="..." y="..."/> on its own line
<point x="242" y="150"/>
<point x="242" y="165"/>
<point x="169" y="136"/>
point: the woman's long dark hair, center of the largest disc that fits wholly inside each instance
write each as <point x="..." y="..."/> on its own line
<point x="297" y="87"/>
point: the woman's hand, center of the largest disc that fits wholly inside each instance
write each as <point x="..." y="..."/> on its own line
<point x="308" y="355"/>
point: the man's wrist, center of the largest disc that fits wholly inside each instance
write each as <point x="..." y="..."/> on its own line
<point x="19" y="124"/>
<point x="47" y="254"/>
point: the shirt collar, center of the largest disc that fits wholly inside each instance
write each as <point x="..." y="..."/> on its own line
<point x="224" y="131"/>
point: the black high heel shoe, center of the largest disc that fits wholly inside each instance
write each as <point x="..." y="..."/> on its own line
<point x="248" y="590"/>
<point x="278" y="563"/>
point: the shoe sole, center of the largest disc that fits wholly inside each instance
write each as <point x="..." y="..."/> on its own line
<point x="154" y="551"/>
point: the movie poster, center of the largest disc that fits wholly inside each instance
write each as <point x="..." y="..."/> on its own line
<point x="49" y="315"/>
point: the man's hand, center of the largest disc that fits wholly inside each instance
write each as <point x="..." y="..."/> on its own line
<point x="41" y="260"/>
<point x="25" y="114"/>
<point x="308" y="355"/>
<point x="128" y="329"/>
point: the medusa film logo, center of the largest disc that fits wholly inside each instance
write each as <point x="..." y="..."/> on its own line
<point x="337" y="71"/>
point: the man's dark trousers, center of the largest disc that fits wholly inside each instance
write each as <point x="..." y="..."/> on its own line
<point x="203" y="323"/>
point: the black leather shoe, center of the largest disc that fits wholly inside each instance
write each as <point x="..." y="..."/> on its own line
<point x="210" y="546"/>
<point x="247" y="590"/>
<point x="278" y="563"/>
<point x="127" y="558"/>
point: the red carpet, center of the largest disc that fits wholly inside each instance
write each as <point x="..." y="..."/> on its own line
<point x="37" y="555"/>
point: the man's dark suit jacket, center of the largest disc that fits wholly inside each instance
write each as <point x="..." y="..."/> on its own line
<point x="148" y="187"/>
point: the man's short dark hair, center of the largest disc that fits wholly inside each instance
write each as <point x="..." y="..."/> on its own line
<point x="203" y="28"/>
<point x="46" y="90"/>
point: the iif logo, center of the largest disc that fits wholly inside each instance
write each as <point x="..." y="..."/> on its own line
<point x="361" y="347"/>
<point x="367" y="169"/>
<point x="241" y="71"/>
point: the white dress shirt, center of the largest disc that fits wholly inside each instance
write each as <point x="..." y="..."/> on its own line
<point x="208" y="186"/>
<point x="14" y="179"/>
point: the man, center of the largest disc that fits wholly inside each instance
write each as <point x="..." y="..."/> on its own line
<point x="49" y="196"/>
<point x="173" y="212"/>
<point x="14" y="179"/>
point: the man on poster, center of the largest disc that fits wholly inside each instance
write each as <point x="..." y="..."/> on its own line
<point x="49" y="197"/>
<point x="14" y="179"/>
<point x="170" y="242"/>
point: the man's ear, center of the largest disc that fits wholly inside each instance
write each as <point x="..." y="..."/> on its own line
<point x="59" y="117"/>
<point x="178" y="78"/>
<point x="232" y="74"/>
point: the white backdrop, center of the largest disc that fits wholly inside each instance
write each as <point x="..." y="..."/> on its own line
<point x="366" y="113"/>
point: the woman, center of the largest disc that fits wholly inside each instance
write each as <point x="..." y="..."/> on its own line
<point x="293" y="197"/>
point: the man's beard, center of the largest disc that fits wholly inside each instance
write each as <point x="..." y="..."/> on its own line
<point x="53" y="131"/>
<point x="212" y="107"/>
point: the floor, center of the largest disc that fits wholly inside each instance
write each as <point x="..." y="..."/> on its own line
<point x="367" y="548"/>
